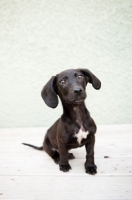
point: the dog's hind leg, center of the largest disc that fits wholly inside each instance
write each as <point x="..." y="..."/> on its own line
<point x="71" y="156"/>
<point x="51" y="151"/>
<point x="54" y="154"/>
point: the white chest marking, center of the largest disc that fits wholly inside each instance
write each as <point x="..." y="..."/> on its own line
<point x="81" y="135"/>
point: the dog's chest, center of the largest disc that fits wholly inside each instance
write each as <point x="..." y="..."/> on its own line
<point x="82" y="134"/>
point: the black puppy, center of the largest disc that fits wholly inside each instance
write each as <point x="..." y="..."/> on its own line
<point x="75" y="127"/>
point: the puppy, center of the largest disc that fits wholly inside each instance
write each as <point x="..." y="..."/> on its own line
<point x="75" y="128"/>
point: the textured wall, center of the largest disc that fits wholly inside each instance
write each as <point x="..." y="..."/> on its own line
<point x="39" y="38"/>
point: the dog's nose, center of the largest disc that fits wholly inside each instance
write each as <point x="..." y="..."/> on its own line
<point x="78" y="91"/>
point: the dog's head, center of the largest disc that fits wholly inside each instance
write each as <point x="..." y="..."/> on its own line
<point x="70" y="86"/>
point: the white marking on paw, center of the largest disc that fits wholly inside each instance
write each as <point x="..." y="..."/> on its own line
<point x="81" y="135"/>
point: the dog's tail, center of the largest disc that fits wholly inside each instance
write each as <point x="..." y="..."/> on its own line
<point x="38" y="148"/>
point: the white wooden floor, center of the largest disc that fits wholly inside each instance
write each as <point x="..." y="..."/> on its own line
<point x="29" y="174"/>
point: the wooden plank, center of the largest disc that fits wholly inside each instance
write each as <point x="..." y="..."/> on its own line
<point x="67" y="187"/>
<point x="114" y="149"/>
<point x="38" y="165"/>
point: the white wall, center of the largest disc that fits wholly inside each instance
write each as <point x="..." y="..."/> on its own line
<point x="40" y="38"/>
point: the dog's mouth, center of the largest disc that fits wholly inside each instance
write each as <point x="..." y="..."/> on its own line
<point x="77" y="101"/>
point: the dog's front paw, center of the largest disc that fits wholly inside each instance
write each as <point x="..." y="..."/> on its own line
<point x="65" y="168"/>
<point x="92" y="170"/>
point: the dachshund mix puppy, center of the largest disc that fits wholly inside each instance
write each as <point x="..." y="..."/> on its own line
<point x="75" y="127"/>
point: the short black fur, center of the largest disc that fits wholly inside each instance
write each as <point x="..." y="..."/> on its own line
<point x="63" y="135"/>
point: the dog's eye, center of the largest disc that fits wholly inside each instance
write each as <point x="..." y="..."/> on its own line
<point x="80" y="76"/>
<point x="62" y="82"/>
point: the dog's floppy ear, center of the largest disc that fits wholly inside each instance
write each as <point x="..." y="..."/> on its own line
<point x="48" y="93"/>
<point x="92" y="78"/>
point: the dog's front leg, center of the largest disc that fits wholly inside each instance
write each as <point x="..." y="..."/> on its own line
<point x="90" y="167"/>
<point x="64" y="156"/>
